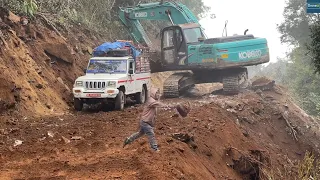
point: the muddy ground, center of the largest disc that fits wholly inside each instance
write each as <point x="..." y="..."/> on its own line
<point x="224" y="137"/>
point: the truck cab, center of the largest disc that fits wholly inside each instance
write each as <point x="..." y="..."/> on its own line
<point x="175" y="42"/>
<point x="110" y="80"/>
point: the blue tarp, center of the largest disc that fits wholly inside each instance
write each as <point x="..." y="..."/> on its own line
<point x="105" y="47"/>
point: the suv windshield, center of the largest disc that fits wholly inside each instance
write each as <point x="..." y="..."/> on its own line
<point x="192" y="35"/>
<point x="107" y="66"/>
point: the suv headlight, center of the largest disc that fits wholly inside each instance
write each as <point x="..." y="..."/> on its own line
<point x="79" y="83"/>
<point x="112" y="84"/>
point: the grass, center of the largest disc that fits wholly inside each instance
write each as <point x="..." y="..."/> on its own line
<point x="309" y="168"/>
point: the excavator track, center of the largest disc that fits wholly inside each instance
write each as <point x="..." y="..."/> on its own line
<point x="232" y="84"/>
<point x="177" y="83"/>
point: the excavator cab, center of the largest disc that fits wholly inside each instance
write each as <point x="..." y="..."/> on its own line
<point x="174" y="42"/>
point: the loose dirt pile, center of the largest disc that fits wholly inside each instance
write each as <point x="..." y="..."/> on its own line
<point x="38" y="65"/>
<point x="234" y="137"/>
<point x="247" y="136"/>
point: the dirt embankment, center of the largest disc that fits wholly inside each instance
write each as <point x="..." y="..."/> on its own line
<point x="38" y="65"/>
<point x="224" y="137"/>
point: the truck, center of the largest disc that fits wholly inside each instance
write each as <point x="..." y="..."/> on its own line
<point x="186" y="48"/>
<point x="116" y="71"/>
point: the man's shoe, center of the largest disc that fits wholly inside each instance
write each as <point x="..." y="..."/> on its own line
<point x="157" y="151"/>
<point x="126" y="141"/>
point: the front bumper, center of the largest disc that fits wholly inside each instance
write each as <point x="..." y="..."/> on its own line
<point x="82" y="93"/>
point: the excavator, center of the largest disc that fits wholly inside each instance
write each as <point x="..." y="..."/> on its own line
<point x="186" y="50"/>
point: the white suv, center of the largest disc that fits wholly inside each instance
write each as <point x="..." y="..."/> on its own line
<point x="109" y="80"/>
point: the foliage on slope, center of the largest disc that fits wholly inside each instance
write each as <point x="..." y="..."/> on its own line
<point x="98" y="15"/>
<point x="297" y="70"/>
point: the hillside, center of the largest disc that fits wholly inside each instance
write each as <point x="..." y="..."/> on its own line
<point x="245" y="136"/>
<point x="39" y="65"/>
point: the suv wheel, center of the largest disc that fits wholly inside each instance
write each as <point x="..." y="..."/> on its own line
<point x="141" y="96"/>
<point x="78" y="104"/>
<point x="120" y="101"/>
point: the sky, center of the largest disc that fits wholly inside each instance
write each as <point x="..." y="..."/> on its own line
<point x="259" y="16"/>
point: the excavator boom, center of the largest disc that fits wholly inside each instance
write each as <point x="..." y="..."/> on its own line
<point x="173" y="12"/>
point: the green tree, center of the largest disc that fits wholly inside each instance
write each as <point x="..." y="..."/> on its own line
<point x="300" y="75"/>
<point x="303" y="81"/>
<point x="100" y="15"/>
<point x="30" y="7"/>
<point x="295" y="29"/>
<point x="314" y="46"/>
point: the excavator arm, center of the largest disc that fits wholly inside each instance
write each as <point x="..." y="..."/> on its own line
<point x="173" y="12"/>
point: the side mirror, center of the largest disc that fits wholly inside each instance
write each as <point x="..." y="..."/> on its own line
<point x="131" y="71"/>
<point x="201" y="39"/>
<point x="84" y="70"/>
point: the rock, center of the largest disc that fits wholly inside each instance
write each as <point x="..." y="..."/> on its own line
<point x="183" y="137"/>
<point x="175" y="115"/>
<point x="232" y="111"/>
<point x="263" y="84"/>
<point x="61" y="81"/>
<point x="259" y="92"/>
<point x="237" y="122"/>
<point x="245" y="133"/>
<point x="270" y="97"/>
<point x="60" y="51"/>
<point x="90" y="50"/>
<point x="4" y="12"/>
<point x="39" y="86"/>
<point x="256" y="110"/>
<point x="169" y="140"/>
<point x="208" y="153"/>
<point x="48" y="105"/>
<point x="17" y="143"/>
<point x="11" y="122"/>
<point x="14" y="18"/>
<point x="81" y="39"/>
<point x="180" y="149"/>
<point x="212" y="96"/>
<point x="14" y="130"/>
<point x="116" y="176"/>
<point x="186" y="138"/>
<point x="193" y="145"/>
<point x="10" y="149"/>
<point x="232" y="104"/>
<point x="50" y="134"/>
<point x="76" y="138"/>
<point x="247" y="120"/>
<point x="67" y="141"/>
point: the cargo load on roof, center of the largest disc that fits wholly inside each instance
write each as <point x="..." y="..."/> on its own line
<point x="103" y="49"/>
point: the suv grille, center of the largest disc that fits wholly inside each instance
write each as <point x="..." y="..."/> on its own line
<point x="95" y="85"/>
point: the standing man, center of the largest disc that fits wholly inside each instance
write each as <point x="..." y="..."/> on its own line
<point x="147" y="120"/>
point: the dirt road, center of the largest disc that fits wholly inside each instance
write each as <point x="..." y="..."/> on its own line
<point x="88" y="145"/>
